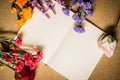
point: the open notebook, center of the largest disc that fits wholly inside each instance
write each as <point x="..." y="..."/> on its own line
<point x="72" y="54"/>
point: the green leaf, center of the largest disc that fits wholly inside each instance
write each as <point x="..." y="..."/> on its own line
<point x="18" y="75"/>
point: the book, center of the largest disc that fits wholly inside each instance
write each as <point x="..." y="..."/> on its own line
<point x="72" y="54"/>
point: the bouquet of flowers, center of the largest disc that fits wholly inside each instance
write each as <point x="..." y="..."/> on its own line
<point x="22" y="62"/>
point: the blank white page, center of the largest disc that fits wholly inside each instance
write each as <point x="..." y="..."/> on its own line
<point x="48" y="33"/>
<point x="78" y="54"/>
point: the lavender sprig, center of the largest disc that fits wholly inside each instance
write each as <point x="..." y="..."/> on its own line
<point x="61" y="2"/>
<point x="78" y="28"/>
<point x="39" y="4"/>
<point x="85" y="9"/>
<point x="66" y="11"/>
<point x="50" y="5"/>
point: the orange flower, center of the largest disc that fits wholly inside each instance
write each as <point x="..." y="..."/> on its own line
<point x="20" y="22"/>
<point x="26" y="13"/>
<point x="10" y="0"/>
<point x="13" y="10"/>
<point x="21" y="3"/>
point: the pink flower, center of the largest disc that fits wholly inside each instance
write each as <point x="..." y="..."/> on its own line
<point x="15" y="57"/>
<point x="18" y="41"/>
<point x="19" y="66"/>
<point x="32" y="66"/>
<point x="39" y="54"/>
<point x="38" y="57"/>
<point x="14" y="50"/>
<point x="7" y="57"/>
<point x="107" y="45"/>
<point x="28" y="62"/>
<point x="28" y="59"/>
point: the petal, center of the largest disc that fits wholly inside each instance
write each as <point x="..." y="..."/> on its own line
<point x="66" y="11"/>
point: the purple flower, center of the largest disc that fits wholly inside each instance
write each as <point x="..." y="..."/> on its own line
<point x="66" y="11"/>
<point x="50" y="5"/>
<point x="62" y="2"/>
<point x="79" y="29"/>
<point x="41" y="8"/>
<point x="74" y="2"/>
<point x="86" y="5"/>
<point x="34" y="2"/>
<point x="89" y="12"/>
<point x="76" y="17"/>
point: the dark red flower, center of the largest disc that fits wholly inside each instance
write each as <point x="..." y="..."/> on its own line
<point x="26" y="74"/>
<point x="17" y="78"/>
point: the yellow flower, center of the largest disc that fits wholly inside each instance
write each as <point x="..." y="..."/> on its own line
<point x="21" y="3"/>
<point x="10" y="0"/>
<point x="26" y="13"/>
<point x="11" y="46"/>
<point x="0" y="46"/>
<point x="13" y="10"/>
<point x="20" y="22"/>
